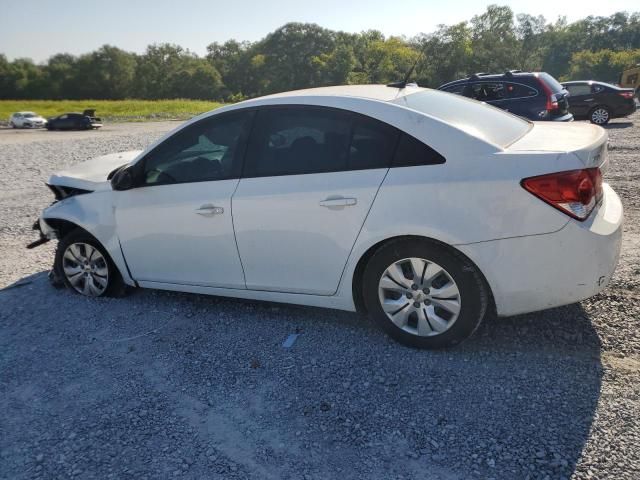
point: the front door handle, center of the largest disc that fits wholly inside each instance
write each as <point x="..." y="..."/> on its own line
<point x="588" y="100"/>
<point x="338" y="202"/>
<point x="209" y="210"/>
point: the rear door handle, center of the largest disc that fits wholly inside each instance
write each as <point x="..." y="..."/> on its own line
<point x="338" y="202"/>
<point x="209" y="210"/>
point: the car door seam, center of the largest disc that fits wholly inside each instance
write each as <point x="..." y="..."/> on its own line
<point x="344" y="268"/>
<point x="233" y="227"/>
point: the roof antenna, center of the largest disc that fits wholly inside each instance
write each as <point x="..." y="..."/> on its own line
<point x="405" y="82"/>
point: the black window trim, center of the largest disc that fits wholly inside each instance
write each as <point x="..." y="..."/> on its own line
<point x="139" y="166"/>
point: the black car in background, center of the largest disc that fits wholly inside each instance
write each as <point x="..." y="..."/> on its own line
<point x="599" y="102"/>
<point x="74" y="121"/>
<point x="532" y="95"/>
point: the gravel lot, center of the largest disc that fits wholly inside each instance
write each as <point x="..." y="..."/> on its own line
<point x="164" y="385"/>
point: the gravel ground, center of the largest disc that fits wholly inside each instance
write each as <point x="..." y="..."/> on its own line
<point x="164" y="385"/>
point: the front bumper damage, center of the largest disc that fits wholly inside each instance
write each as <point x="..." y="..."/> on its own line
<point x="45" y="232"/>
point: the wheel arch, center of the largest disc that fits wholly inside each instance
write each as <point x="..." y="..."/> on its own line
<point x="63" y="226"/>
<point x="358" y="273"/>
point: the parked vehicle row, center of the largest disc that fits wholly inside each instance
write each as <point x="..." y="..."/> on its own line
<point x="425" y="210"/>
<point x="67" y="121"/>
<point x="538" y="96"/>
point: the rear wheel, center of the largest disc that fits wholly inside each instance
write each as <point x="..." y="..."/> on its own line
<point x="600" y="115"/>
<point x="424" y="294"/>
<point x="86" y="267"/>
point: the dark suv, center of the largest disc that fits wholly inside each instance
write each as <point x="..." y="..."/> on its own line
<point x="536" y="96"/>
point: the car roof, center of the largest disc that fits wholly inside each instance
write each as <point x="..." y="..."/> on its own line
<point x="589" y="82"/>
<point x="476" y="77"/>
<point x="371" y="92"/>
<point x="25" y="112"/>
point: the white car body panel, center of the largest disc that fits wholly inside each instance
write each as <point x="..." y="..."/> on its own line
<point x="92" y="174"/>
<point x="288" y="241"/>
<point x="293" y="250"/>
<point x="166" y="239"/>
<point x="544" y="271"/>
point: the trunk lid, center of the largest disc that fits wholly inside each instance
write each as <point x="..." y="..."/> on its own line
<point x="92" y="174"/>
<point x="588" y="142"/>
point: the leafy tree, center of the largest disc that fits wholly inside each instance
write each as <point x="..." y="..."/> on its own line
<point x="603" y="65"/>
<point x="493" y="40"/>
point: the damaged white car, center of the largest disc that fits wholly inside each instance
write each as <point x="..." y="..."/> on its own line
<point x="425" y="209"/>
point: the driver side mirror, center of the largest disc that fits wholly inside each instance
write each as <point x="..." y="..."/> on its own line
<point x="123" y="179"/>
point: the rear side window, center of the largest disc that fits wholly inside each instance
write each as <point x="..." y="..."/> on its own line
<point x="372" y="144"/>
<point x="575" y="90"/>
<point x="481" y="121"/>
<point x="412" y="152"/>
<point x="518" y="90"/>
<point x="304" y="140"/>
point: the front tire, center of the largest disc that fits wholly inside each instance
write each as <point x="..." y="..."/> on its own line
<point x="86" y="267"/>
<point x="424" y="294"/>
<point x="600" y="115"/>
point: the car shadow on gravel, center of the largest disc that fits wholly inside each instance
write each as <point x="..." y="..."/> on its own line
<point x="217" y="386"/>
<point x="618" y="125"/>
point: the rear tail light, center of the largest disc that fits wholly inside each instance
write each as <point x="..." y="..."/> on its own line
<point x="552" y="102"/>
<point x="575" y="192"/>
<point x="626" y="94"/>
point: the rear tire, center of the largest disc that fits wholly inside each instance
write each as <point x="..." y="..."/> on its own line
<point x="86" y="267"/>
<point x="600" y="115"/>
<point x="438" y="307"/>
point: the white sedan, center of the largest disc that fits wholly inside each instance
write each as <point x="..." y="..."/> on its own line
<point x="425" y="209"/>
<point x="27" y="120"/>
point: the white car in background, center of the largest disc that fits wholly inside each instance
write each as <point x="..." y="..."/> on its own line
<point x="422" y="208"/>
<point x="27" y="120"/>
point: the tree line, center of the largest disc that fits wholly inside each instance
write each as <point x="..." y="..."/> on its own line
<point x="301" y="55"/>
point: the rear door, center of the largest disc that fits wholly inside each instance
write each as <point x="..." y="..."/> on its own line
<point x="309" y="179"/>
<point x="581" y="98"/>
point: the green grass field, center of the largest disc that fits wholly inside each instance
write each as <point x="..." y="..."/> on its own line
<point x="111" y="110"/>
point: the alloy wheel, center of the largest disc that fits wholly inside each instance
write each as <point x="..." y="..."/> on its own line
<point x="86" y="269"/>
<point x="419" y="296"/>
<point x="600" y="116"/>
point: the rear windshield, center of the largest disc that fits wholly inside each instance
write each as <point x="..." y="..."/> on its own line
<point x="551" y="82"/>
<point x="475" y="118"/>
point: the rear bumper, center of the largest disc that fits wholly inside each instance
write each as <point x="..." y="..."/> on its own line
<point x="625" y="110"/>
<point x="568" y="117"/>
<point x="532" y="273"/>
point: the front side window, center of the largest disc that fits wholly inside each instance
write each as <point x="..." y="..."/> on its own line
<point x="210" y="149"/>
<point x="487" y="92"/>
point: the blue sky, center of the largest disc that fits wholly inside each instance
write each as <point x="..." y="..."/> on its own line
<point x="41" y="28"/>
